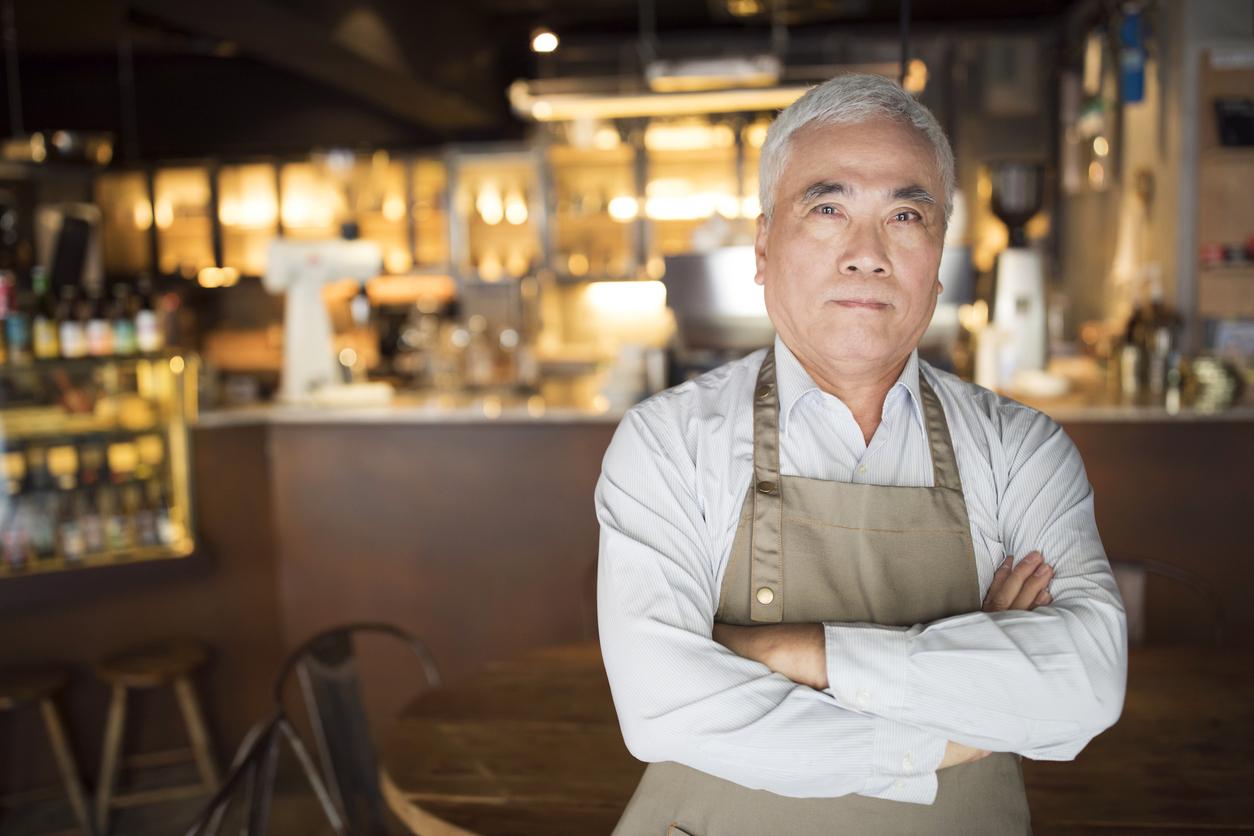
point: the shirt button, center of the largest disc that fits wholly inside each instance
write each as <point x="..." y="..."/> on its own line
<point x="765" y="595"/>
<point x="862" y="468"/>
<point x="907" y="762"/>
<point x="862" y="698"/>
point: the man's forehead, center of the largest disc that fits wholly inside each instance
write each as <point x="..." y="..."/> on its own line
<point x="879" y="153"/>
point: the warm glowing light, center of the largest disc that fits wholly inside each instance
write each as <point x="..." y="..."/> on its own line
<point x="624" y="208"/>
<point x="142" y="214"/>
<point x="397" y="260"/>
<point x="348" y="357"/>
<point x="489" y="205"/>
<point x="755" y="133"/>
<point x="516" y="263"/>
<point x="688" y="136"/>
<point x="490" y="267"/>
<point x="577" y="264"/>
<point x="916" y="77"/>
<point x="627" y="298"/>
<point x="543" y="40"/>
<point x="605" y="138"/>
<point x="176" y="364"/>
<point x="164" y="214"/>
<point x="535" y="406"/>
<point x="515" y="208"/>
<point x="217" y="276"/>
<point x="750" y="206"/>
<point x="1101" y="147"/>
<point x="491" y="407"/>
<point x="394" y="208"/>
<point x="1097" y="175"/>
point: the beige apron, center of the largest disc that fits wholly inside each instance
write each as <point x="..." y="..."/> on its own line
<point x="855" y="553"/>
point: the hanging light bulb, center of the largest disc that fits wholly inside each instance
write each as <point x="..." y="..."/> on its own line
<point x="515" y="208"/>
<point x="488" y="204"/>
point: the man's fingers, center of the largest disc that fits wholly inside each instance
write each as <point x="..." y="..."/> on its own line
<point x="1017" y="588"/>
<point x="1043" y="599"/>
<point x="999" y="581"/>
<point x="1033" y="585"/>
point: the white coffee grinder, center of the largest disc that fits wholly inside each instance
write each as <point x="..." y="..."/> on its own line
<point x="1019" y="313"/>
<point x="300" y="269"/>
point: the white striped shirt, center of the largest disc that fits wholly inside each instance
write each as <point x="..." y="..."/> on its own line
<point x="1038" y="683"/>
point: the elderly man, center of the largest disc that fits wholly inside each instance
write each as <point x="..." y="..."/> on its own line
<point x="808" y="614"/>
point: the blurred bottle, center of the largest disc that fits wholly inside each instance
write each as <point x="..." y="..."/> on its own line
<point x="17" y="322"/>
<point x="125" y="337"/>
<point x="99" y="325"/>
<point x="149" y="335"/>
<point x="71" y="328"/>
<point x="45" y="340"/>
<point x="71" y="546"/>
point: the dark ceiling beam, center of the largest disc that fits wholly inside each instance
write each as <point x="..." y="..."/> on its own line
<point x="287" y="40"/>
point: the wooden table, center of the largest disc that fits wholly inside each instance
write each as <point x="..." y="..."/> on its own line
<point x="532" y="746"/>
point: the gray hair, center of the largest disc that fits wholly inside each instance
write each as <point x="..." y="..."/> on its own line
<point x="844" y="100"/>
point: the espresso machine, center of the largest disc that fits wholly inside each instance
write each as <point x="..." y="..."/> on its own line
<point x="1019" y="312"/>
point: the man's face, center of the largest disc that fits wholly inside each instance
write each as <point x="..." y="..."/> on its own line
<point x="849" y="259"/>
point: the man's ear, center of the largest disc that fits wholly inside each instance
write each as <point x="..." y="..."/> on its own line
<point x="759" y="250"/>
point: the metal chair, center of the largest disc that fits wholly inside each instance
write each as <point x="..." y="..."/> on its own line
<point x="348" y="787"/>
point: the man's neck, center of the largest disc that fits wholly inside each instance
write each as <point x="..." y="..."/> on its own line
<point x="862" y="389"/>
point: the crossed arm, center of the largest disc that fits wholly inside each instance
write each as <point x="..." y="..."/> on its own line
<point x="799" y="651"/>
<point x="1039" y="682"/>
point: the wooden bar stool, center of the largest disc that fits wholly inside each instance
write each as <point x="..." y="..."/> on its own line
<point x="153" y="667"/>
<point x="25" y="689"/>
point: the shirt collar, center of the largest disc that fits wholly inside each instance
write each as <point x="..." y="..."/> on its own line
<point x="794" y="383"/>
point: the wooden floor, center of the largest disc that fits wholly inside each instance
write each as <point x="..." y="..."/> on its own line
<point x="532" y="747"/>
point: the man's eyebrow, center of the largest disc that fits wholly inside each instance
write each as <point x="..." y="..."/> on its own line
<point x="918" y="194"/>
<point x="822" y="189"/>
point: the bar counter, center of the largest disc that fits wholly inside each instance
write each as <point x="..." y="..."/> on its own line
<point x="475" y="530"/>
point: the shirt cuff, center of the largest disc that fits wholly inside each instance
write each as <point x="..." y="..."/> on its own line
<point x="904" y="760"/>
<point x="866" y="667"/>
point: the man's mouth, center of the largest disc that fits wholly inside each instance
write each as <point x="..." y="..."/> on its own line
<point x="863" y="304"/>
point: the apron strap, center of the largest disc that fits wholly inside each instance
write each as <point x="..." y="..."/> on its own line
<point x="944" y="462"/>
<point x="766" y="588"/>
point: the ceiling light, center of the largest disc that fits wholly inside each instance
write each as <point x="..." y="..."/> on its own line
<point x="543" y="40"/>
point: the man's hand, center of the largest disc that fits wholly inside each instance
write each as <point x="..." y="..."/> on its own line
<point x="1025" y="587"/>
<point x="956" y="753"/>
<point x="798" y="651"/>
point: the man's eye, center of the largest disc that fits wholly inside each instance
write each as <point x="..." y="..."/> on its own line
<point x="826" y="209"/>
<point x="907" y="215"/>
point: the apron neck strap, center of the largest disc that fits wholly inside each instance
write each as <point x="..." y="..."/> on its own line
<point x="766" y="432"/>
<point x="944" y="462"/>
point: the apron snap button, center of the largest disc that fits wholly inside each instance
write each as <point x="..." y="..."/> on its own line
<point x="764" y="392"/>
<point x="766" y="595"/>
<point x="766" y="487"/>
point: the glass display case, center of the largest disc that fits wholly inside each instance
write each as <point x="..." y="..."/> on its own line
<point x="126" y="208"/>
<point x="497" y="223"/>
<point x="248" y="211"/>
<point x="182" y="210"/>
<point x="429" y="212"/>
<point x="94" y="458"/>
<point x="595" y="210"/>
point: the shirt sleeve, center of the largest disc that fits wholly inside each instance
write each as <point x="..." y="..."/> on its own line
<point x="1041" y="683"/>
<point x="682" y="697"/>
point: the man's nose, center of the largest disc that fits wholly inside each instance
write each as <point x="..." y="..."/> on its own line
<point x="864" y="254"/>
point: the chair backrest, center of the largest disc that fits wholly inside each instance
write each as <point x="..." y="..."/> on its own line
<point x="327" y="668"/>
<point x="1131" y="574"/>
